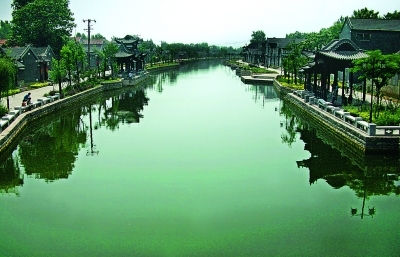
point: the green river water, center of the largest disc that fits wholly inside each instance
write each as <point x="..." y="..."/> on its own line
<point x="193" y="163"/>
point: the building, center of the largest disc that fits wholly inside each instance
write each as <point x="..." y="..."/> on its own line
<point x="373" y="34"/>
<point x="33" y="62"/>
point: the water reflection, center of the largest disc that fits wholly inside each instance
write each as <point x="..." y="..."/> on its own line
<point x="50" y="152"/>
<point x="10" y="176"/>
<point x="367" y="176"/>
<point x="263" y="93"/>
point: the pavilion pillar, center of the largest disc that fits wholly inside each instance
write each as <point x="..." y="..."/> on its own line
<point x="315" y="83"/>
<point x="329" y="82"/>
<point x="323" y="84"/>
<point x="309" y="81"/>
<point x="351" y="87"/>
<point x="343" y="88"/>
<point x="364" y="89"/>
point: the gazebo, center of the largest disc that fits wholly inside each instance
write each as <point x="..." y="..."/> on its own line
<point x="129" y="58"/>
<point x="336" y="56"/>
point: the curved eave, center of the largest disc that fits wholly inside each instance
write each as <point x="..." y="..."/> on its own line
<point x="344" y="57"/>
<point x="123" y="55"/>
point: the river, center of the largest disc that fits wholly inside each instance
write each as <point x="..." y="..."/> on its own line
<point x="193" y="163"/>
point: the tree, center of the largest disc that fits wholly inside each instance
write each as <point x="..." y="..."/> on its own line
<point x="295" y="60"/>
<point x="316" y="40"/>
<point x="258" y="37"/>
<point x="18" y="4"/>
<point x="377" y="67"/>
<point x="83" y="35"/>
<point x="5" y="29"/>
<point x="109" y="52"/>
<point x="57" y="73"/>
<point x="365" y="14"/>
<point x="392" y="16"/>
<point x="97" y="36"/>
<point x="7" y="75"/>
<point x="42" y="23"/>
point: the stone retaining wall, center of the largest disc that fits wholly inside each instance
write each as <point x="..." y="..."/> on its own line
<point x="338" y="130"/>
<point x="10" y="134"/>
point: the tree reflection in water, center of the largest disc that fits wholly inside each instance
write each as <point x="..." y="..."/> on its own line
<point x="50" y="152"/>
<point x="367" y="176"/>
<point x="10" y="176"/>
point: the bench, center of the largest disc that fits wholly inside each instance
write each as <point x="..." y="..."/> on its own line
<point x="341" y="114"/>
<point x="332" y="109"/>
<point x="352" y="120"/>
<point x="323" y="104"/>
<point x="8" y="117"/>
<point x="3" y="124"/>
<point x="44" y="100"/>
<point x="52" y="98"/>
<point x="299" y="93"/>
<point x="363" y="125"/>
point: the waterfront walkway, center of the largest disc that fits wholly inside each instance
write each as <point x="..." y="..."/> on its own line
<point x="16" y="100"/>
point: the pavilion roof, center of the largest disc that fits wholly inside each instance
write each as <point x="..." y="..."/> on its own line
<point x="343" y="49"/>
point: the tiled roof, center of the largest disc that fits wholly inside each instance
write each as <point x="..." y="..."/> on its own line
<point x="348" y="55"/>
<point x="337" y="44"/>
<point x="282" y="42"/>
<point x="343" y="49"/>
<point x="374" y="24"/>
<point x="93" y="41"/>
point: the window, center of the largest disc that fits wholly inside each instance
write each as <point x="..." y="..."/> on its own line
<point x="363" y="36"/>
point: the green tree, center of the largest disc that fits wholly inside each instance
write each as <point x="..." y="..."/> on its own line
<point x="7" y="75"/>
<point x="18" y="4"/>
<point x="109" y="52"/>
<point x="365" y="14"/>
<point x="295" y="60"/>
<point x="42" y="23"/>
<point x="97" y="36"/>
<point x="57" y="73"/>
<point x="258" y="37"/>
<point x="5" y="29"/>
<point x="83" y="35"/>
<point x="379" y="68"/>
<point x="392" y="16"/>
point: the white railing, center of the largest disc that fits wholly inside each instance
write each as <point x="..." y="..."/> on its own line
<point x="370" y="128"/>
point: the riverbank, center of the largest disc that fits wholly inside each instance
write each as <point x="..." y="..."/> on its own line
<point x="10" y="134"/>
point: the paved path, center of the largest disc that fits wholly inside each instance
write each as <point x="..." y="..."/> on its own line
<point x="16" y="100"/>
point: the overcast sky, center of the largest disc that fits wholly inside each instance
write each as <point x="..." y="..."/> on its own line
<point x="217" y="22"/>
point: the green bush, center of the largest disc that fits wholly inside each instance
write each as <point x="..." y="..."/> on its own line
<point x="39" y="85"/>
<point x="3" y="110"/>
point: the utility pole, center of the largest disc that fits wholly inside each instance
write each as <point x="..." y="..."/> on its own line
<point x="89" y="28"/>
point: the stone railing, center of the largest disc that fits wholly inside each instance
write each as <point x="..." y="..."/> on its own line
<point x="370" y="128"/>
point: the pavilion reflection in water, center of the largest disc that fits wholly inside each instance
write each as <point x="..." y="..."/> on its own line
<point x="369" y="176"/>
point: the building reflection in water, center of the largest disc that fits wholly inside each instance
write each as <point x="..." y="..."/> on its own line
<point x="338" y="164"/>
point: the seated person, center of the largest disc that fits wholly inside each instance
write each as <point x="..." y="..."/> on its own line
<point x="27" y="99"/>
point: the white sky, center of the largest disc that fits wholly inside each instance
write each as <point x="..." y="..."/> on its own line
<point x="218" y="22"/>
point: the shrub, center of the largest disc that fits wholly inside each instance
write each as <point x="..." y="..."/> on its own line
<point x="39" y="85"/>
<point x="3" y="110"/>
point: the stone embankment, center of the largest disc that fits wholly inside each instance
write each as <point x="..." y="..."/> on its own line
<point x="22" y="119"/>
<point x="356" y="135"/>
<point x="348" y="131"/>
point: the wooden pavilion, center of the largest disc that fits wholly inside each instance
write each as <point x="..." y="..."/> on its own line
<point x="129" y="58"/>
<point x="336" y="57"/>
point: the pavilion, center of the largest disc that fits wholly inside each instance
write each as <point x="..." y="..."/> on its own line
<point x="335" y="57"/>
